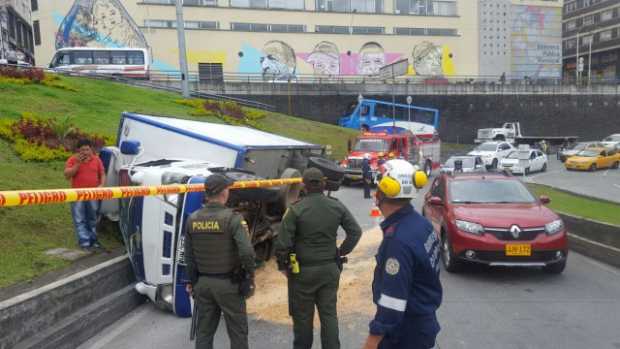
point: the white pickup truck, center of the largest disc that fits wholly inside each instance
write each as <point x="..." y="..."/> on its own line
<point x="511" y="132"/>
<point x="156" y="151"/>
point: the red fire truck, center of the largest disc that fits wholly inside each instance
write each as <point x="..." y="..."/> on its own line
<point x="398" y="142"/>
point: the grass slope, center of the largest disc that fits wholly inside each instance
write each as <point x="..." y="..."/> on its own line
<point x="27" y="232"/>
<point x="576" y="205"/>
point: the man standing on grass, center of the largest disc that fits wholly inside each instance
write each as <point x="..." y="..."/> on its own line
<point x="85" y="170"/>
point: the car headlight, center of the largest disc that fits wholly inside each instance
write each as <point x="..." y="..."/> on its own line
<point x="469" y="227"/>
<point x="554" y="227"/>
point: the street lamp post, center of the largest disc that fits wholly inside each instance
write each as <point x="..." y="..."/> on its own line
<point x="182" y="50"/>
<point x="590" y="60"/>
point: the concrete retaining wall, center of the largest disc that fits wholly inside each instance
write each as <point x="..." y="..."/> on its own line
<point x="596" y="240"/>
<point x="81" y="301"/>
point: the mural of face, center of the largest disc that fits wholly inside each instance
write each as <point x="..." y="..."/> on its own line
<point x="427" y="59"/>
<point x="371" y="59"/>
<point x="278" y="61"/>
<point x="325" y="59"/>
<point x="99" y="23"/>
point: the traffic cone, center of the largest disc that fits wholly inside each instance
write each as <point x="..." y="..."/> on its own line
<point x="375" y="213"/>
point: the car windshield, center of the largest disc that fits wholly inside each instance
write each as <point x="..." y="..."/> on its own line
<point x="487" y="191"/>
<point x="486" y="147"/>
<point x="588" y="153"/>
<point x="371" y="145"/>
<point x="467" y="162"/>
<point x="614" y="138"/>
<point x="524" y="155"/>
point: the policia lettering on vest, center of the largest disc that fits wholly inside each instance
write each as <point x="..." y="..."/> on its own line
<point x="220" y="265"/>
<point x="306" y="250"/>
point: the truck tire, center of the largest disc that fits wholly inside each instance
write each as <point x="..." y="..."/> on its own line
<point x="254" y="194"/>
<point x="289" y="194"/>
<point x="331" y="170"/>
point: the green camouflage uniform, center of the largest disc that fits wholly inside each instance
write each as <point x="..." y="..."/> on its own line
<point x="309" y="229"/>
<point x="217" y="242"/>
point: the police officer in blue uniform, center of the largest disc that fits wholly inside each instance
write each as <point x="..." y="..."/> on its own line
<point x="406" y="287"/>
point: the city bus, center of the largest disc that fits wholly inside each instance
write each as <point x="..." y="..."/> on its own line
<point x="125" y="62"/>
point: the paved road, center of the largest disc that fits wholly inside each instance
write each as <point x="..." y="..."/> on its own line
<point x="604" y="184"/>
<point x="482" y="308"/>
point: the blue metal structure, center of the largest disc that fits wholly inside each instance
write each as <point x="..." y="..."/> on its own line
<point x="372" y="112"/>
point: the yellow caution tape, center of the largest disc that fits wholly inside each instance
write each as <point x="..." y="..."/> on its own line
<point x="56" y="196"/>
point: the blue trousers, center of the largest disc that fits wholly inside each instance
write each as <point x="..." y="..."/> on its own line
<point x="84" y="214"/>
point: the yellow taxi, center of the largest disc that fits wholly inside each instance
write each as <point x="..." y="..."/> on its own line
<point x="591" y="159"/>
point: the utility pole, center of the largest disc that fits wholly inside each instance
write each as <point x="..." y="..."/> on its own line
<point x="590" y="60"/>
<point x="182" y="50"/>
<point x="577" y="61"/>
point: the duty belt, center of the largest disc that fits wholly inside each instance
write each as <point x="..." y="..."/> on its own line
<point x="217" y="275"/>
<point x="316" y="263"/>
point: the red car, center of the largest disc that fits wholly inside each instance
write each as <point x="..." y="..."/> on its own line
<point x="492" y="218"/>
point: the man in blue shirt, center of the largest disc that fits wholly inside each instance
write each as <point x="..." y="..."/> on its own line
<point x="406" y="286"/>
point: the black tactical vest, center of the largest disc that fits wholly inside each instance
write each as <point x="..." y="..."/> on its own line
<point x="215" y="250"/>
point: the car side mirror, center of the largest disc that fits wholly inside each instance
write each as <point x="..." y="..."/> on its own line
<point x="436" y="201"/>
<point x="544" y="199"/>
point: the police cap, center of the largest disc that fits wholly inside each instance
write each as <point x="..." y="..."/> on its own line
<point x="216" y="183"/>
<point x="313" y="175"/>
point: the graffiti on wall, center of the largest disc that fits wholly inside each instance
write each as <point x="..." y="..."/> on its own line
<point x="325" y="59"/>
<point x="278" y="61"/>
<point x="429" y="59"/>
<point x="536" y="47"/>
<point x="99" y="23"/>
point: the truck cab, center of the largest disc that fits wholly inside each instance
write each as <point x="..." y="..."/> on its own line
<point x="400" y="143"/>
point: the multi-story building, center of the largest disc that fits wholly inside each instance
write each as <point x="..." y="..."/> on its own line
<point x="16" y="42"/>
<point x="596" y="25"/>
<point x="520" y="38"/>
<point x="296" y="37"/>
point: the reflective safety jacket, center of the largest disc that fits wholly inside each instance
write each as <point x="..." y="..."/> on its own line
<point x="406" y="286"/>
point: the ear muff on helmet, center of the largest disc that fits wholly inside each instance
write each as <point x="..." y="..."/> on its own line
<point x="420" y="179"/>
<point x="389" y="186"/>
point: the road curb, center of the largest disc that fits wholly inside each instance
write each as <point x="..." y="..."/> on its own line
<point x="67" y="312"/>
<point x="597" y="240"/>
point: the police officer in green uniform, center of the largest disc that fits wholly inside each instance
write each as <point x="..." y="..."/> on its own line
<point x="309" y="230"/>
<point x="217" y="243"/>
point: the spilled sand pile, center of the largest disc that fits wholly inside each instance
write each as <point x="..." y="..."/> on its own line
<point x="270" y="303"/>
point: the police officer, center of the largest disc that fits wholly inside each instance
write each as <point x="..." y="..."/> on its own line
<point x="366" y="175"/>
<point x="309" y="230"/>
<point x="406" y="287"/>
<point x="217" y="243"/>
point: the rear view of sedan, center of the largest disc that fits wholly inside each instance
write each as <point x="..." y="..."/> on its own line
<point x="494" y="220"/>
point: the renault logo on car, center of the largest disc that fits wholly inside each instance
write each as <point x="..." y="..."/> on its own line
<point x="515" y="231"/>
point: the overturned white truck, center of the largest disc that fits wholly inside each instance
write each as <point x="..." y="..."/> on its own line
<point x="160" y="150"/>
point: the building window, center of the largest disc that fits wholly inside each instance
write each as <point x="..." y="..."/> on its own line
<point x="261" y="27"/>
<point x="426" y="7"/>
<point x="332" y="29"/>
<point x="426" y="31"/>
<point x="588" y="20"/>
<point x="586" y="40"/>
<point x="570" y="44"/>
<point x="34" y="5"/>
<point x="368" y="30"/>
<point x="37" y="32"/>
<point x="272" y="4"/>
<point x="607" y="15"/>
<point x="605" y="36"/>
<point x="359" y="6"/>
<point x="571" y="25"/>
<point x="165" y="24"/>
<point x="185" y="2"/>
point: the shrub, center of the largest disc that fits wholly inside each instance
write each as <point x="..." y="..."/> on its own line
<point x="229" y="112"/>
<point x="35" y="152"/>
<point x="31" y="74"/>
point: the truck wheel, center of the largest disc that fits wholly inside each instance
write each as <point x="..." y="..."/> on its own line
<point x="289" y="194"/>
<point x="254" y="194"/>
<point x="494" y="164"/>
<point x="331" y="170"/>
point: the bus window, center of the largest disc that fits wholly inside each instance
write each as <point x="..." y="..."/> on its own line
<point x="62" y="58"/>
<point x="101" y="57"/>
<point x="135" y="58"/>
<point x="119" y="57"/>
<point x="83" y="57"/>
<point x="364" y="110"/>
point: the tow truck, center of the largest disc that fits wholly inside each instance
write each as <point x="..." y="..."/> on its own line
<point x="511" y="132"/>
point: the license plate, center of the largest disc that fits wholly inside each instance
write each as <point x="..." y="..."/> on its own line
<point x="518" y="250"/>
